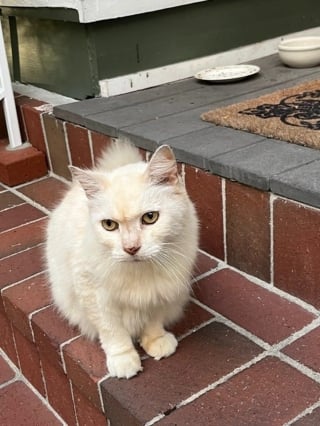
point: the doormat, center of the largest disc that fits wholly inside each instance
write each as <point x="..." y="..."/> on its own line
<point x="291" y="115"/>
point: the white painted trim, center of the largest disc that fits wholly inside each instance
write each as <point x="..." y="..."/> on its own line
<point x="34" y="92"/>
<point x="99" y="10"/>
<point x="169" y="73"/>
<point x="7" y="98"/>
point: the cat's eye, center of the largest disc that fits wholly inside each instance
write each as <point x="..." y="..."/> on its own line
<point x="109" y="225"/>
<point x="149" y="218"/>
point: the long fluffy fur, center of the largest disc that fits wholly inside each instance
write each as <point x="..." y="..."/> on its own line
<point x="119" y="154"/>
<point x="95" y="283"/>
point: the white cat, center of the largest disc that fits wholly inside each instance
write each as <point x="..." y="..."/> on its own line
<point x="120" y="251"/>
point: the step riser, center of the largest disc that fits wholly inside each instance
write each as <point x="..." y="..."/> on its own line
<point x="49" y="379"/>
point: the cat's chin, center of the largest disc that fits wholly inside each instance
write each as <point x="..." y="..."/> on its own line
<point x="133" y="259"/>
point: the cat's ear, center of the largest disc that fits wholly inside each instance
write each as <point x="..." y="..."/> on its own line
<point x="88" y="179"/>
<point x="162" y="167"/>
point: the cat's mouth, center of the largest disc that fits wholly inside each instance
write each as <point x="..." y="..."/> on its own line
<point x="137" y="258"/>
<point x="133" y="259"/>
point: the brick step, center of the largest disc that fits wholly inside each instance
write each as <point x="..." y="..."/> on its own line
<point x="21" y="165"/>
<point x="28" y="162"/>
<point x="247" y="350"/>
<point x="16" y="391"/>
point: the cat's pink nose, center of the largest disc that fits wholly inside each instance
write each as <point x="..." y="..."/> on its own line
<point x="132" y="250"/>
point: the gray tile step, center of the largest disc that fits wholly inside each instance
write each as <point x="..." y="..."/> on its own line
<point x="171" y="114"/>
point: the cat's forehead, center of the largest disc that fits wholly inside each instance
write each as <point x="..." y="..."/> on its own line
<point x="129" y="195"/>
<point x="127" y="182"/>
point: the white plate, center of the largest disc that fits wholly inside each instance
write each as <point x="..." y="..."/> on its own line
<point x="227" y="73"/>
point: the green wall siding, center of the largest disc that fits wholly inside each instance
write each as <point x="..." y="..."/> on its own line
<point x="53" y="54"/>
<point x="156" y="39"/>
<point x="70" y="58"/>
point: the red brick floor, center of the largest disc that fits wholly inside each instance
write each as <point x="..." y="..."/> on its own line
<point x="248" y="352"/>
<point x="20" y="403"/>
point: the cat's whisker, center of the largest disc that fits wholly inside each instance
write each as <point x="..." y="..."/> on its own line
<point x="176" y="250"/>
<point x="177" y="254"/>
<point x="167" y="264"/>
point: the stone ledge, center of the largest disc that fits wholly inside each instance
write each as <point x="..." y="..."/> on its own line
<point x="299" y="183"/>
<point x="170" y="114"/>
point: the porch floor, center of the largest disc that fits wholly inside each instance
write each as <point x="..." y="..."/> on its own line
<point x="248" y="352"/>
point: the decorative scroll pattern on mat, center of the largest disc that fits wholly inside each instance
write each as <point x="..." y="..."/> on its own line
<point x="292" y="115"/>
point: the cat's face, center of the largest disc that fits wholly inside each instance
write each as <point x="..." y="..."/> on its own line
<point x="138" y="211"/>
<point x="136" y="220"/>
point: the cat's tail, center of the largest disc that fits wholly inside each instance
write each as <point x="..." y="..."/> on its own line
<point x="118" y="154"/>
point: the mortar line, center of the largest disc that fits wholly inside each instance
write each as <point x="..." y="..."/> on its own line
<point x="28" y="200"/>
<point x="224" y="218"/>
<point x="303" y="369"/>
<point x="21" y="281"/>
<point x="22" y="251"/>
<point x="155" y="419"/>
<point x="275" y="290"/>
<point x="11" y="208"/>
<point x="297" y="335"/>
<point x="304" y="413"/>
<point x="196" y="328"/>
<point x="30" y="316"/>
<point x="222" y="319"/>
<point x="272" y="199"/>
<point x="61" y="347"/>
<point x="20" y="377"/>
<point x="272" y="289"/>
<point x="213" y="385"/>
<point x="99" y="382"/>
<point x="60" y="178"/>
<point x="73" y="402"/>
<point x="91" y="148"/>
<point x="66" y="140"/>
<point x="204" y="275"/>
<point x="22" y="185"/>
<point x="22" y="225"/>
<point x="9" y="382"/>
<point x="224" y="379"/>
<point x="271" y="348"/>
<point x="46" y="140"/>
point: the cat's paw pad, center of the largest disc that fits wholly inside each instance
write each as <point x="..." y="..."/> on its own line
<point x="161" y="347"/>
<point x="124" y="365"/>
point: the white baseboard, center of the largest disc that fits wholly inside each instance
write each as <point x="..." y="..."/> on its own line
<point x="166" y="74"/>
<point x="41" y="94"/>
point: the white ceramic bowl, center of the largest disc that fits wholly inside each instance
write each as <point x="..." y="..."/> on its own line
<point x="302" y="52"/>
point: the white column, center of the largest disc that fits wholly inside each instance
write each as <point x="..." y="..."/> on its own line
<point x="7" y="98"/>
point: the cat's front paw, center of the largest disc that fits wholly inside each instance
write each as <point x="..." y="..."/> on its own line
<point x="160" y="347"/>
<point x="125" y="365"/>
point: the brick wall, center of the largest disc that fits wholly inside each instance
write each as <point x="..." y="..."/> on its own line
<point x="269" y="237"/>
